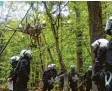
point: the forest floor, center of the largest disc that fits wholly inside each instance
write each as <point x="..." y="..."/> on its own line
<point x="8" y="89"/>
<point x="3" y="89"/>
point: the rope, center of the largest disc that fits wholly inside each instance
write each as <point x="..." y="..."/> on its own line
<point x="7" y="43"/>
<point x="4" y="29"/>
<point x="14" y="31"/>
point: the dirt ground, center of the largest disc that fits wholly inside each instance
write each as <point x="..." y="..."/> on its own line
<point x="3" y="89"/>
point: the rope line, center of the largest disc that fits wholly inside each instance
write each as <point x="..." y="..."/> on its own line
<point x="14" y="32"/>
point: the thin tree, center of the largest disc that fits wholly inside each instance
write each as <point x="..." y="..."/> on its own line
<point x="78" y="34"/>
<point x="55" y="25"/>
<point x="95" y="24"/>
<point x="55" y="28"/>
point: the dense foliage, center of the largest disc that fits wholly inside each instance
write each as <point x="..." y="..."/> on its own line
<point x="68" y="28"/>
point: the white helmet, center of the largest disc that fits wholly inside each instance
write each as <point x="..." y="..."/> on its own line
<point x="72" y="66"/>
<point x="14" y="59"/>
<point x="49" y="67"/>
<point x="100" y="43"/>
<point x="90" y="68"/>
<point x="25" y="52"/>
<point x="110" y="17"/>
<point x="52" y="65"/>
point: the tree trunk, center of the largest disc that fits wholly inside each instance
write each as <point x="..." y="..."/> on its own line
<point x="48" y="49"/>
<point x="1" y="46"/>
<point x="95" y="25"/>
<point x="40" y="53"/>
<point x="78" y="42"/>
<point x="95" y="20"/>
<point x="55" y="30"/>
<point x="1" y="41"/>
<point x="55" y="24"/>
<point x="104" y="15"/>
<point x="66" y="85"/>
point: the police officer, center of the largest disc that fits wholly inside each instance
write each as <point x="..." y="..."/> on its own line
<point x="99" y="80"/>
<point x="13" y="60"/>
<point x="48" y="77"/>
<point x="108" y="65"/>
<point x="54" y="71"/>
<point x="23" y="70"/>
<point x="108" y="27"/>
<point x="73" y="78"/>
<point x="108" y="30"/>
<point x="100" y="48"/>
<point x="88" y="79"/>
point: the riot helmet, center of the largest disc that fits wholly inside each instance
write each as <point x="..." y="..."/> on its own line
<point x="26" y="53"/>
<point x="72" y="68"/>
<point x="90" y="68"/>
<point x="14" y="60"/>
<point x="99" y="43"/>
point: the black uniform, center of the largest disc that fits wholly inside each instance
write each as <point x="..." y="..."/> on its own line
<point x="99" y="80"/>
<point x="109" y="27"/>
<point x="54" y="73"/>
<point x="109" y="56"/>
<point x="22" y="71"/>
<point x="12" y="72"/>
<point x="73" y="78"/>
<point x="99" y="65"/>
<point x="88" y="79"/>
<point x="47" y="76"/>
